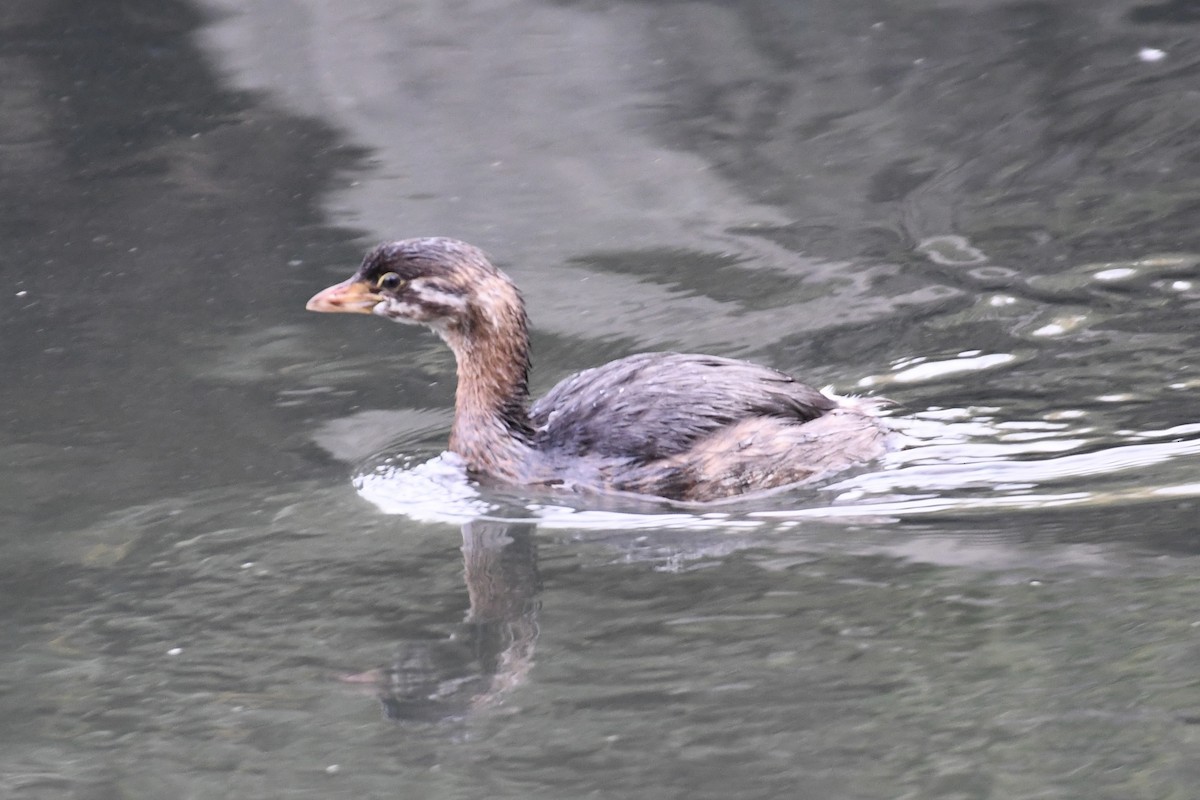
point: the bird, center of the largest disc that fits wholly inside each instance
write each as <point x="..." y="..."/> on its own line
<point x="681" y="427"/>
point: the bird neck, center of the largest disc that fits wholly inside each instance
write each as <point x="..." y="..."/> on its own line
<point x="491" y="429"/>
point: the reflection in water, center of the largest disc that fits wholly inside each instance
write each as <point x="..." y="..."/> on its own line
<point x="491" y="653"/>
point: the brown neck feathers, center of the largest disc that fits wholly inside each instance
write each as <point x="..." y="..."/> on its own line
<point x="491" y="430"/>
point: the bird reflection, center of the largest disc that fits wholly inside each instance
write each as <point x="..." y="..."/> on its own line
<point x="490" y="653"/>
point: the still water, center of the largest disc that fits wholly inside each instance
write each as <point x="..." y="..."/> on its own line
<point x="233" y="564"/>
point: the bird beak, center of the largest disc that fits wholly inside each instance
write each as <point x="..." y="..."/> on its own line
<point x="354" y="296"/>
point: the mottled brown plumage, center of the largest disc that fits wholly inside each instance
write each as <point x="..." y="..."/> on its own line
<point x="680" y="426"/>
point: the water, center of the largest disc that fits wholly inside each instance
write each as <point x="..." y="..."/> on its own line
<point x="229" y="567"/>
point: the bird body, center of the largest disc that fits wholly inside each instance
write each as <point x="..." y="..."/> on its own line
<point x="674" y="425"/>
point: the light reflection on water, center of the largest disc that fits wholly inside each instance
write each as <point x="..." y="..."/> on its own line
<point x="947" y="468"/>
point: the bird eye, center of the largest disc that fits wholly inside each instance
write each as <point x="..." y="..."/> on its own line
<point x="390" y="281"/>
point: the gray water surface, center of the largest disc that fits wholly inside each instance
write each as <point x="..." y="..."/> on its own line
<point x="232" y="563"/>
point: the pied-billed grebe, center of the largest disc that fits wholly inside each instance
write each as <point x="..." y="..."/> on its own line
<point x="683" y="427"/>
